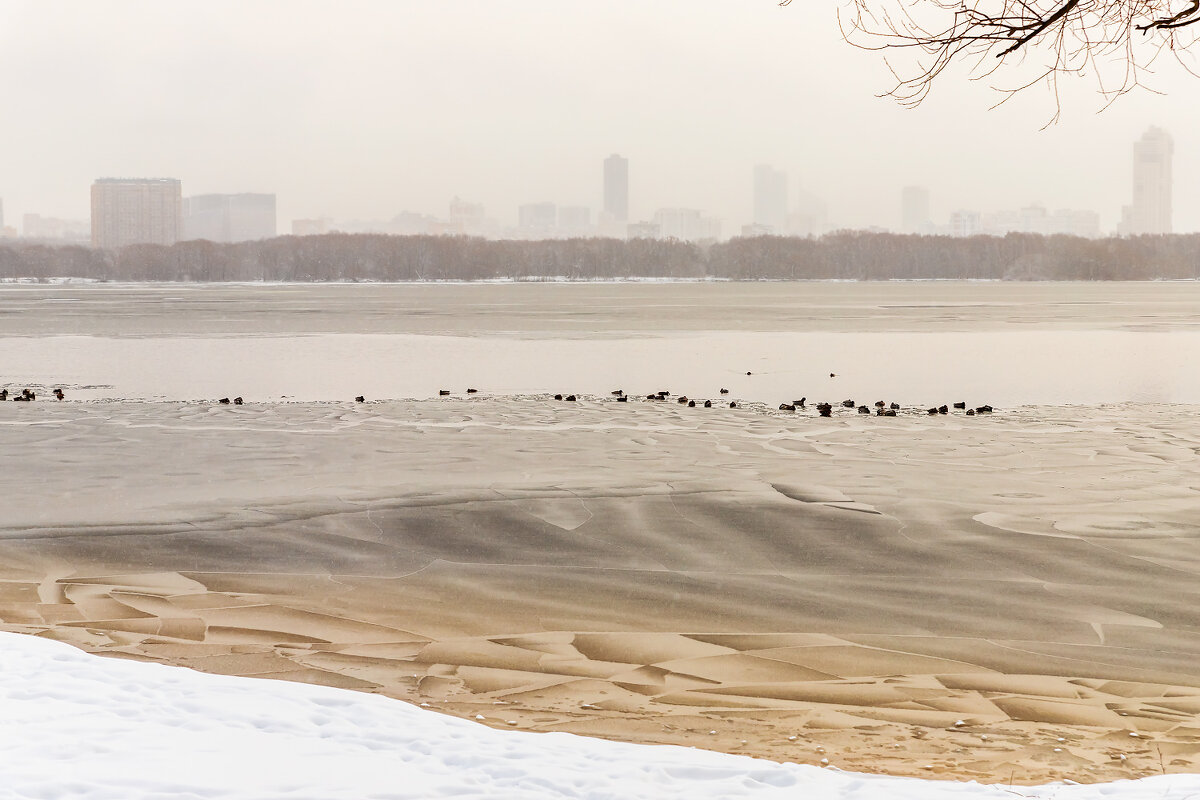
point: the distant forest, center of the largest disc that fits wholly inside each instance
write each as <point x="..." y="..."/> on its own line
<point x="850" y="255"/>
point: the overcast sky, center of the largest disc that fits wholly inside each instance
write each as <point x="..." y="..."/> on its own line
<point x="361" y="110"/>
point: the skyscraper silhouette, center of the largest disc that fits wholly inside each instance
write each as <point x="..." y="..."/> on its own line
<point x="616" y="187"/>
<point x="770" y="199"/>
<point x="914" y="209"/>
<point x="1150" y="211"/>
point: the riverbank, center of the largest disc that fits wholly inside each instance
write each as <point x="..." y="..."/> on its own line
<point x="949" y="596"/>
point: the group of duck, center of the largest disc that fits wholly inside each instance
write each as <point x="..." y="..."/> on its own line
<point x="27" y="395"/>
<point x="237" y="401"/>
<point x="882" y="409"/>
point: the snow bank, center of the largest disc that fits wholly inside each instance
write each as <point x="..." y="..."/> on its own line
<point x="79" y="726"/>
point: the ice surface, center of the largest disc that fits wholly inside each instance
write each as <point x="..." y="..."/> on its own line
<point x="917" y="344"/>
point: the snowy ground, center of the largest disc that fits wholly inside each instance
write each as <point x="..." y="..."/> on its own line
<point x="79" y="726"/>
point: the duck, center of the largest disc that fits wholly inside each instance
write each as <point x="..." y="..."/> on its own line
<point x="825" y="409"/>
<point x="237" y="401"/>
<point x="358" y="399"/>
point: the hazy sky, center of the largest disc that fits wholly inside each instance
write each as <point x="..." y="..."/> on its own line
<point x="361" y="110"/>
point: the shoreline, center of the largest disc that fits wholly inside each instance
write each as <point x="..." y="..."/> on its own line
<point x="650" y="577"/>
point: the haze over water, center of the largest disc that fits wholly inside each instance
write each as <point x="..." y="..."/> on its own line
<point x="917" y="344"/>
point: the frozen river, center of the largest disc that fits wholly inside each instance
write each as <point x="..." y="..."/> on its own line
<point x="1007" y="598"/>
<point x="914" y="343"/>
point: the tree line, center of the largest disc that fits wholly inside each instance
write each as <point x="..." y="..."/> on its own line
<point x="847" y="255"/>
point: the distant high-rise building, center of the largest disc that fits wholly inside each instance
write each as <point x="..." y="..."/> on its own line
<point x="616" y="187"/>
<point x="1151" y="208"/>
<point x="1036" y="219"/>
<point x="770" y="199"/>
<point x="1031" y="219"/>
<point x="537" y="218"/>
<point x="965" y="223"/>
<point x="809" y="217"/>
<point x="136" y="211"/>
<point x="914" y="209"/>
<point x="466" y="217"/>
<point x="686" y="224"/>
<point x="6" y="232"/>
<point x="229" y="217"/>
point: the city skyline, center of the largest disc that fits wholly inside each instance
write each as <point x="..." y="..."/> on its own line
<point x="337" y="114"/>
<point x="250" y="216"/>
<point x="770" y="188"/>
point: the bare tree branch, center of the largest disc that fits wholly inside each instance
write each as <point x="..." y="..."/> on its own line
<point x="1045" y="39"/>
<point x="1037" y="28"/>
<point x="1177" y="21"/>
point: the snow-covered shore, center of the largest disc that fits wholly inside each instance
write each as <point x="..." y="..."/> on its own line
<point x="89" y="728"/>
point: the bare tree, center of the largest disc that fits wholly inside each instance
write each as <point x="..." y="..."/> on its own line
<point x="1115" y="41"/>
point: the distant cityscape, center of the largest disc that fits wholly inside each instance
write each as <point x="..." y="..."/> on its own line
<point x="128" y="211"/>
